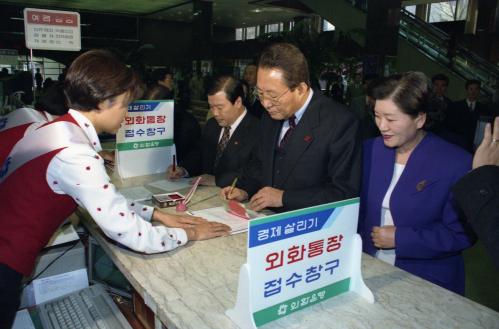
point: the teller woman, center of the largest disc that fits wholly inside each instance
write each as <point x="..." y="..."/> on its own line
<point x="55" y="168"/>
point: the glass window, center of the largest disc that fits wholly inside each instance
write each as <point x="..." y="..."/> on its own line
<point x="411" y="9"/>
<point x="326" y="26"/>
<point x="250" y="32"/>
<point x="291" y="25"/>
<point x="462" y="10"/>
<point x="239" y="34"/>
<point x="447" y="11"/>
<point x="273" y="28"/>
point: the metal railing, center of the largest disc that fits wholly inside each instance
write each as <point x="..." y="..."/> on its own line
<point x="440" y="46"/>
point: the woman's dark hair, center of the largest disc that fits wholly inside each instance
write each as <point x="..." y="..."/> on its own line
<point x="412" y="93"/>
<point x="232" y="87"/>
<point x="97" y="76"/>
<point x="290" y="60"/>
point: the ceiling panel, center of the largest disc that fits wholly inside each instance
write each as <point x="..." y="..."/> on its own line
<point x="232" y="13"/>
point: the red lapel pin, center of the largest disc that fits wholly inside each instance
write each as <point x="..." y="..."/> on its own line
<point x="307" y="138"/>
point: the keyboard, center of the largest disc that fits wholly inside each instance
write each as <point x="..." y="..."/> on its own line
<point x="89" y="308"/>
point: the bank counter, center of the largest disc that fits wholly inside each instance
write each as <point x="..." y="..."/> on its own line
<point x="191" y="287"/>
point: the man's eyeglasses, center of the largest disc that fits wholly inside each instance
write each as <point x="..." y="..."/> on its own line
<point x="274" y="100"/>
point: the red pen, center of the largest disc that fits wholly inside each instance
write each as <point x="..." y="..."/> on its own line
<point x="174" y="164"/>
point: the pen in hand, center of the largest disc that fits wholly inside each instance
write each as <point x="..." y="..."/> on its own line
<point x="174" y="164"/>
<point x="233" y="185"/>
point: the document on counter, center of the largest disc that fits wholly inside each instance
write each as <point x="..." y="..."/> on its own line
<point x="136" y="193"/>
<point x="171" y="186"/>
<point x="220" y="214"/>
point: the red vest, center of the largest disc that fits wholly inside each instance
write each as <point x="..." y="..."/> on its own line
<point x="13" y="127"/>
<point x="9" y="138"/>
<point x="30" y="211"/>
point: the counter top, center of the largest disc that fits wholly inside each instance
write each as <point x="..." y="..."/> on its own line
<point x="192" y="286"/>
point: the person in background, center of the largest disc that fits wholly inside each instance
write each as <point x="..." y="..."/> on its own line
<point x="407" y="215"/>
<point x="462" y="117"/>
<point x="477" y="193"/>
<point x="58" y="166"/>
<point x="186" y="129"/>
<point x="227" y="140"/>
<point x="38" y="80"/>
<point x="309" y="150"/>
<point x="253" y="104"/>
<point x="163" y="88"/>
<point x="440" y="83"/>
<point x="49" y="83"/>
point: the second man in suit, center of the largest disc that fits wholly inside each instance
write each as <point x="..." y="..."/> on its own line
<point x="227" y="139"/>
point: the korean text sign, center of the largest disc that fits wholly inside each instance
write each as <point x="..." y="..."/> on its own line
<point x="300" y="258"/>
<point x="144" y="143"/>
<point x="52" y="29"/>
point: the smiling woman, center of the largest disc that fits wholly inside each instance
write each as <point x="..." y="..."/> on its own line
<point x="59" y="165"/>
<point x="407" y="214"/>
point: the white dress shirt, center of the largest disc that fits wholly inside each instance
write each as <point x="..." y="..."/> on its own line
<point x="388" y="255"/>
<point x="79" y="172"/>
<point x="298" y="115"/>
<point x="234" y="125"/>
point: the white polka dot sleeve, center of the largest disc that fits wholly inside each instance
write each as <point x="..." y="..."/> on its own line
<point x="79" y="172"/>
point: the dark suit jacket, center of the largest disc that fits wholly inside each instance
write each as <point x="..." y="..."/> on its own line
<point x="234" y="157"/>
<point x="430" y="236"/>
<point x="322" y="161"/>
<point x="186" y="132"/>
<point x="461" y="121"/>
<point x="477" y="194"/>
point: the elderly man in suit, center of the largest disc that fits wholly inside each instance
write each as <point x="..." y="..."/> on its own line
<point x="227" y="139"/>
<point x="309" y="151"/>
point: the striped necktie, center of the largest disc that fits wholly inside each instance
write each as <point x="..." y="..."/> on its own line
<point x="222" y="144"/>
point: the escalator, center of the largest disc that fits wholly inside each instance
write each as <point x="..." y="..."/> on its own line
<point x="421" y="46"/>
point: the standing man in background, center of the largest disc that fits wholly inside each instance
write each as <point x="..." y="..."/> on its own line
<point x="309" y="151"/>
<point x="462" y="117"/>
<point x="253" y="104"/>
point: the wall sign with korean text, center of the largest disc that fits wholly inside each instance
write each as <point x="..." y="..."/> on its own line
<point x="298" y="259"/>
<point x="144" y="143"/>
<point x="52" y="29"/>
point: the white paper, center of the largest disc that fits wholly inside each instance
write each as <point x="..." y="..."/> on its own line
<point x="58" y="285"/>
<point x="219" y="214"/>
<point x="137" y="193"/>
<point x="65" y="233"/>
<point x="23" y="320"/>
<point x="171" y="186"/>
